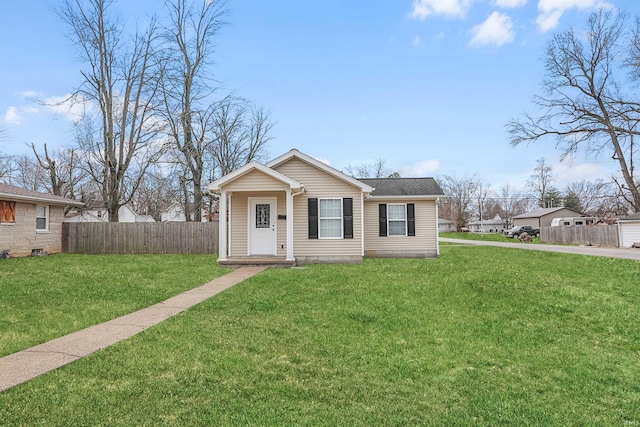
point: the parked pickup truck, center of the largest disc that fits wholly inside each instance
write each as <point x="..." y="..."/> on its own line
<point x="519" y="229"/>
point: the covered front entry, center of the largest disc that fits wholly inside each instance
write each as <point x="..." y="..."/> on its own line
<point x="263" y="226"/>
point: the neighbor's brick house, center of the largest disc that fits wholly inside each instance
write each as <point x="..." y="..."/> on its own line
<point x="31" y="221"/>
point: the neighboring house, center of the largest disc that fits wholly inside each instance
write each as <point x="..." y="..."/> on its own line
<point x="629" y="229"/>
<point x="82" y="216"/>
<point x="495" y="225"/>
<point x="175" y="213"/>
<point x="125" y="214"/>
<point x="445" y="225"/>
<point x="543" y="217"/>
<point x="303" y="211"/>
<point x="30" y="221"/>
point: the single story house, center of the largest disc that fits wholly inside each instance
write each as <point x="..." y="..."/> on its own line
<point x="299" y="210"/>
<point x="175" y="213"/>
<point x="30" y="221"/>
<point x="125" y="214"/>
<point x="445" y="225"/>
<point x="495" y="225"/>
<point x="543" y="217"/>
<point x="82" y="216"/>
<point x="629" y="230"/>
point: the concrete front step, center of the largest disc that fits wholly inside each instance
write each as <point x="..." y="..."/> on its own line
<point x="257" y="261"/>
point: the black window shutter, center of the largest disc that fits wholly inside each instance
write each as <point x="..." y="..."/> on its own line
<point x="347" y="217"/>
<point x="382" y="210"/>
<point x="313" y="218"/>
<point x="411" y="219"/>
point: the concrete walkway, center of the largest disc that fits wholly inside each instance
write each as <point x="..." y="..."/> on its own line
<point x="35" y="361"/>
<point x="579" y="250"/>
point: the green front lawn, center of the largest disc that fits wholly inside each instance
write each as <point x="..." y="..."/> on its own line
<point x="42" y="298"/>
<point x="481" y="336"/>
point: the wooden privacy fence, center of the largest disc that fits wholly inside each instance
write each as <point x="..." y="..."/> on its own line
<point x="603" y="235"/>
<point x="140" y="238"/>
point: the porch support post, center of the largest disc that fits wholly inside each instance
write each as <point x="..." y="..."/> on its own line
<point x="437" y="202"/>
<point x="289" y="226"/>
<point x="362" y="223"/>
<point x="222" y="227"/>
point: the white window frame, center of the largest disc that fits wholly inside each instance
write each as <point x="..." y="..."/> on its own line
<point x="46" y="219"/>
<point x="333" y="218"/>
<point x="389" y="220"/>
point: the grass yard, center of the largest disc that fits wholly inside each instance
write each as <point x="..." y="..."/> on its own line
<point x="42" y="298"/>
<point x="481" y="336"/>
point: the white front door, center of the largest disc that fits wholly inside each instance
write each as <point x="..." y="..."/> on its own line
<point x="262" y="226"/>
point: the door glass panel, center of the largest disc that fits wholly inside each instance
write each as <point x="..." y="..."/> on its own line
<point x="263" y="215"/>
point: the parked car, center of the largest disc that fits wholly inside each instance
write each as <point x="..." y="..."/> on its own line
<point x="519" y="229"/>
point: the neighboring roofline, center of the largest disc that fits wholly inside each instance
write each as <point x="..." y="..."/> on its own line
<point x="322" y="166"/>
<point x="405" y="197"/>
<point x="524" y="215"/>
<point x="43" y="199"/>
<point x="215" y="186"/>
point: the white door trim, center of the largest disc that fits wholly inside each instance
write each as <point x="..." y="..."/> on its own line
<point x="273" y="201"/>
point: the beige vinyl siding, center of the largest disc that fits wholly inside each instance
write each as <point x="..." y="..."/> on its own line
<point x="319" y="184"/>
<point x="424" y="243"/>
<point x="239" y="236"/>
<point x="256" y="181"/>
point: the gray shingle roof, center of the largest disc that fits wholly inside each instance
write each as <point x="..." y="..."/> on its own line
<point x="540" y="213"/>
<point x="632" y="217"/>
<point x="404" y="186"/>
<point x="18" y="193"/>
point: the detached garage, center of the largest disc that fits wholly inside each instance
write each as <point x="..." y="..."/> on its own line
<point x="629" y="229"/>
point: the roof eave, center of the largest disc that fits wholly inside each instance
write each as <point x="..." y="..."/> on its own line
<point x="405" y="197"/>
<point x="367" y="189"/>
<point x="216" y="186"/>
<point x="44" y="200"/>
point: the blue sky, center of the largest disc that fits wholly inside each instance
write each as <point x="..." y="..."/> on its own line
<point x="427" y="85"/>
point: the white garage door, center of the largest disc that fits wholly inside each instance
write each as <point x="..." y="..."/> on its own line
<point x="629" y="233"/>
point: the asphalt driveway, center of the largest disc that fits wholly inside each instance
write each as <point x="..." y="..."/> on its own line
<point x="579" y="250"/>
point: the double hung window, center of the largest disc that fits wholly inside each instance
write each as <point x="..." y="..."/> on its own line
<point x="42" y="218"/>
<point x="330" y="218"/>
<point x="397" y="219"/>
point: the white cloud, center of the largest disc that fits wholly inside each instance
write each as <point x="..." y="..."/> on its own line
<point x="30" y="94"/>
<point x="570" y="170"/>
<point x="440" y="36"/>
<point x="420" y="169"/>
<point x="417" y="41"/>
<point x="550" y="11"/>
<point x="71" y="107"/>
<point x="497" y="29"/>
<point x="509" y="3"/>
<point x="424" y="8"/>
<point x="11" y="116"/>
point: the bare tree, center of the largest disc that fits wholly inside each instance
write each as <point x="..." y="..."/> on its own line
<point x="583" y="104"/>
<point x="6" y="167"/>
<point x="27" y="174"/>
<point x="377" y="169"/>
<point x="62" y="169"/>
<point x="239" y="135"/>
<point x="596" y="197"/>
<point x="513" y="202"/>
<point x="121" y="79"/>
<point x="186" y="86"/>
<point x="541" y="182"/>
<point x="461" y="192"/>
